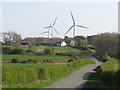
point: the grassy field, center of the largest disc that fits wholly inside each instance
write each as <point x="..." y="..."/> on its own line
<point x="31" y="65"/>
<point x="106" y="75"/>
<point x="13" y="73"/>
<point x="38" y="58"/>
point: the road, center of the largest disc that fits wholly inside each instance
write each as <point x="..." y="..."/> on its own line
<point x="76" y="79"/>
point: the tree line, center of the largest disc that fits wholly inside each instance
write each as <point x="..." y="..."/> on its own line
<point x="107" y="44"/>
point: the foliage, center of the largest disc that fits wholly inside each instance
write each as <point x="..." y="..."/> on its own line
<point x="6" y="50"/>
<point x="11" y="37"/>
<point x="47" y="51"/>
<point x="106" y="44"/>
<point x="14" y="60"/>
<point x="16" y="51"/>
<point x="107" y="76"/>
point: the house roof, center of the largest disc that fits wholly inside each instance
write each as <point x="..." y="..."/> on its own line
<point x="41" y="40"/>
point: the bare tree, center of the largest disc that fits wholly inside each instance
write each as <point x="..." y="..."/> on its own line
<point x="11" y="37"/>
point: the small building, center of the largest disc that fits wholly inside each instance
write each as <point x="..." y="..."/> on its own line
<point x="63" y="44"/>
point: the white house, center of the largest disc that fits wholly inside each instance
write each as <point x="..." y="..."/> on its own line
<point x="72" y="43"/>
<point x="63" y="44"/>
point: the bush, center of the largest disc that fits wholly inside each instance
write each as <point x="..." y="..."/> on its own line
<point x="29" y="61"/>
<point x="6" y="50"/>
<point x="16" y="51"/>
<point x="47" y="51"/>
<point x="14" y="60"/>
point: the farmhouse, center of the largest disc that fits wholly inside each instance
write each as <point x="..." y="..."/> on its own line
<point x="63" y="44"/>
<point x="43" y="41"/>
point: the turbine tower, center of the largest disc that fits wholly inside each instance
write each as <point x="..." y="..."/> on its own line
<point x="74" y="25"/>
<point x="52" y="27"/>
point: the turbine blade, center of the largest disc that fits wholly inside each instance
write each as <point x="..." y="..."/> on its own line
<point x="44" y="32"/>
<point x="82" y="26"/>
<point x="69" y="29"/>
<point x="56" y="31"/>
<point x="72" y="17"/>
<point x="54" y="21"/>
<point x="50" y="34"/>
<point x="48" y="27"/>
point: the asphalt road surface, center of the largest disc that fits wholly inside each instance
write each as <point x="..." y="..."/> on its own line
<point x="78" y="78"/>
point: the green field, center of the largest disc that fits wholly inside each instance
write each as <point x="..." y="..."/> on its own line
<point x="31" y="65"/>
<point x="56" y="49"/>
<point x="34" y="57"/>
<point x="38" y="76"/>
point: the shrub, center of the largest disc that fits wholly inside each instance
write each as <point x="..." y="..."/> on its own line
<point x="6" y="50"/>
<point x="31" y="61"/>
<point x="14" y="60"/>
<point x="47" y="51"/>
<point x="16" y="51"/>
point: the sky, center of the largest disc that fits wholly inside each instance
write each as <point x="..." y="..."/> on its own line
<point x="30" y="18"/>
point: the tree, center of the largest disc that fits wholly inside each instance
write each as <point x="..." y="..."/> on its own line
<point x="106" y="44"/>
<point x="11" y="37"/>
<point x="80" y="40"/>
<point x="68" y="39"/>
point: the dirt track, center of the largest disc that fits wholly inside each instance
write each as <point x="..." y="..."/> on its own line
<point x="78" y="78"/>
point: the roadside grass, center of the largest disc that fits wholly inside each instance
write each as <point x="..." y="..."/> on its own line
<point x="35" y="57"/>
<point x="48" y="81"/>
<point x="105" y="76"/>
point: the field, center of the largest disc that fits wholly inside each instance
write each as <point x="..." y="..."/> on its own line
<point x="37" y="76"/>
<point x="35" y="57"/>
<point x="19" y="75"/>
<point x="30" y="65"/>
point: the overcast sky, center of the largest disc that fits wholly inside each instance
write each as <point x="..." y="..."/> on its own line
<point x="29" y="18"/>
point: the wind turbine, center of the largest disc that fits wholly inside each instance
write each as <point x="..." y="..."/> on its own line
<point x="52" y="27"/>
<point x="45" y="32"/>
<point x="74" y="25"/>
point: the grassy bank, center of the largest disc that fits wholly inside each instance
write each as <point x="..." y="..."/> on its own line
<point x="107" y="76"/>
<point x="16" y="76"/>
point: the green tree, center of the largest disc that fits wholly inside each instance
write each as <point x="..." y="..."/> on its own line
<point x="106" y="44"/>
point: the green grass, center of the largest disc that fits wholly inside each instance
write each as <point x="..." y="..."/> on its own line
<point x="38" y="58"/>
<point x="44" y="83"/>
<point x="30" y="65"/>
<point x="60" y="49"/>
<point x="111" y="65"/>
<point x="104" y="76"/>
